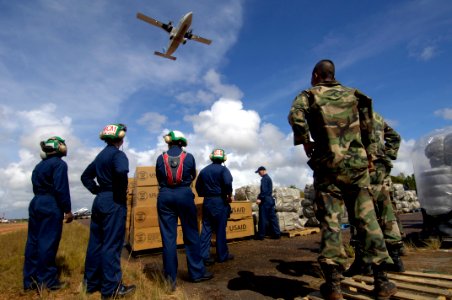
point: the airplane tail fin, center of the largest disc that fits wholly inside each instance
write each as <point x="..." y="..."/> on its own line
<point x="164" y="55"/>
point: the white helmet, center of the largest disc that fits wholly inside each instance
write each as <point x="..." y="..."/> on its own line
<point x="174" y="136"/>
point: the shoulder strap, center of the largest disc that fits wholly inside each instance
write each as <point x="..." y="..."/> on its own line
<point x="175" y="169"/>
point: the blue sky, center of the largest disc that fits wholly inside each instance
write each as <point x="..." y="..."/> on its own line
<point x="71" y="67"/>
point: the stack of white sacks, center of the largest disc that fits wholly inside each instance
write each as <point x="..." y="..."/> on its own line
<point x="405" y="201"/>
<point x="292" y="210"/>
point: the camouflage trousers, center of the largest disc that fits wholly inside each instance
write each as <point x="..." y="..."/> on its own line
<point x="380" y="190"/>
<point x="349" y="190"/>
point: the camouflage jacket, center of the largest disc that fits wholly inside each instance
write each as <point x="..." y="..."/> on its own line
<point x="340" y="121"/>
<point x="388" y="141"/>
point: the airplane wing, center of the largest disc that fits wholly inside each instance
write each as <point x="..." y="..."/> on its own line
<point x="200" y="39"/>
<point x="166" y="27"/>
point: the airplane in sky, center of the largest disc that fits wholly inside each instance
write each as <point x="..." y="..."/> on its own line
<point x="177" y="35"/>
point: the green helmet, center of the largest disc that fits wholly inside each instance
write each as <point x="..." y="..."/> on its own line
<point x="113" y="131"/>
<point x="174" y="136"/>
<point x="218" y="155"/>
<point x="53" y="145"/>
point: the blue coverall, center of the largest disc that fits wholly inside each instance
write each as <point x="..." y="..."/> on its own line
<point x="214" y="184"/>
<point x="108" y="219"/>
<point x="178" y="202"/>
<point x="45" y="224"/>
<point x="267" y="212"/>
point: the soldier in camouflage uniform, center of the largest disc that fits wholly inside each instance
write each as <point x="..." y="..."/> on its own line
<point x="388" y="143"/>
<point x="339" y="120"/>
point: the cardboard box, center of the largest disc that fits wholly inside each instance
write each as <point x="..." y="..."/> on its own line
<point x="239" y="228"/>
<point x="145" y="196"/>
<point x="145" y="176"/>
<point x="241" y="210"/>
<point x="150" y="238"/>
<point x="145" y="216"/>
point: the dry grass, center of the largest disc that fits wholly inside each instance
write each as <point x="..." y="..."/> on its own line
<point x="433" y="244"/>
<point x="70" y="261"/>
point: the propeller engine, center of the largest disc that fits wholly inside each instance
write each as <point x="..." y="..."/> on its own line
<point x="168" y="27"/>
<point x="188" y="35"/>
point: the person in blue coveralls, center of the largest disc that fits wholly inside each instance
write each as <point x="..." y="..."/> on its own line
<point x="175" y="170"/>
<point x="108" y="218"/>
<point x="50" y="204"/>
<point x="214" y="183"/>
<point x="267" y="212"/>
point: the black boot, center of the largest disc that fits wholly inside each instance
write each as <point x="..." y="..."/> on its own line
<point x="358" y="267"/>
<point x="383" y="288"/>
<point x="331" y="289"/>
<point x="394" y="252"/>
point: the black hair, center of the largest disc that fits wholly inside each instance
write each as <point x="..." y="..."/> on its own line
<point x="324" y="69"/>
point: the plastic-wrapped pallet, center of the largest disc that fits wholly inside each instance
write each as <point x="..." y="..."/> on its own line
<point x="287" y="199"/>
<point x="432" y="160"/>
<point x="432" y="157"/>
<point x="289" y="221"/>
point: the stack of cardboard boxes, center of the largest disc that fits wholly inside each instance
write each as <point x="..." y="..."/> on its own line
<point x="240" y="223"/>
<point x="142" y="227"/>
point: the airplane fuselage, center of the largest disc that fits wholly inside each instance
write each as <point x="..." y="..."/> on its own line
<point x="177" y="34"/>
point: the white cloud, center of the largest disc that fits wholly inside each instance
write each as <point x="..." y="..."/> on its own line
<point x="445" y="113"/>
<point x="107" y="55"/>
<point x="153" y="121"/>
<point x="213" y="82"/>
<point x="420" y="51"/>
<point x="427" y="53"/>
<point x="404" y="163"/>
<point x="227" y="123"/>
<point x="213" y="89"/>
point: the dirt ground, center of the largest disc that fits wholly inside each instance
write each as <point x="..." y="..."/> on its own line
<point x="11" y="227"/>
<point x="280" y="269"/>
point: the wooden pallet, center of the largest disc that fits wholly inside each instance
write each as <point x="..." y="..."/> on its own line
<point x="410" y="285"/>
<point x="300" y="232"/>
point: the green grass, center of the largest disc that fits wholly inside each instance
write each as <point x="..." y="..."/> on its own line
<point x="70" y="261"/>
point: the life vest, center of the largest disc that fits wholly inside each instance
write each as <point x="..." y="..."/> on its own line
<point x="174" y="167"/>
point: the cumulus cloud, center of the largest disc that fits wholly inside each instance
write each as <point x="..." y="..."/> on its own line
<point x="404" y="163"/>
<point x="445" y="113"/>
<point x="213" y="88"/>
<point x="227" y="123"/>
<point x="248" y="142"/>
<point x="153" y="121"/>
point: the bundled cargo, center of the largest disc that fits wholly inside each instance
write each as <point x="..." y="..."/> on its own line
<point x="308" y="211"/>
<point x="287" y="199"/>
<point x="405" y="201"/>
<point x="289" y="221"/>
<point x="432" y="159"/>
<point x="288" y="205"/>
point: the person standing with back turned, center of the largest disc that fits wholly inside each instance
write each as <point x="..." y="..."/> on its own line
<point x="108" y="219"/>
<point x="388" y="146"/>
<point x="51" y="202"/>
<point x="339" y="120"/>
<point x="176" y="170"/>
<point x="214" y="183"/>
<point x="267" y="210"/>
